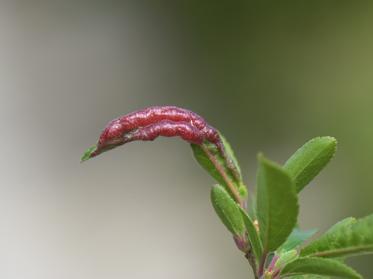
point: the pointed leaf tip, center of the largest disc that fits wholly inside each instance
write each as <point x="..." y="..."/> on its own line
<point x="88" y="153"/>
<point x="310" y="159"/>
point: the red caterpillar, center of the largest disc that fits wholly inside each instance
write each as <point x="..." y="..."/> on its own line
<point x="166" y="128"/>
<point x="149" y="123"/>
<point x="168" y="121"/>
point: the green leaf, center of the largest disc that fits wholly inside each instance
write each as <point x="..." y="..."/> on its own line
<point x="277" y="204"/>
<point x="320" y="266"/>
<point x="87" y="154"/>
<point x="296" y="238"/>
<point x="286" y="258"/>
<point x="348" y="237"/>
<point x="229" y="165"/>
<point x="254" y="239"/>
<point x="228" y="210"/>
<point x="251" y="206"/>
<point x="310" y="159"/>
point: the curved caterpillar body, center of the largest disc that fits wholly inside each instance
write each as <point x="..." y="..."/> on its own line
<point x="152" y="122"/>
<point x="148" y="116"/>
<point x="168" y="121"/>
<point x="166" y="128"/>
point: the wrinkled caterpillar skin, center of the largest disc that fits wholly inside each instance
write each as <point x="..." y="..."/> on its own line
<point x="151" y="115"/>
<point x="168" y="121"/>
<point x="167" y="129"/>
<point x="151" y="122"/>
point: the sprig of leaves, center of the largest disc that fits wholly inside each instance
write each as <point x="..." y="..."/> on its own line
<point x="268" y="234"/>
<point x="277" y="209"/>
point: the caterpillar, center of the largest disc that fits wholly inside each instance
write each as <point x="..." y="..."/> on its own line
<point x="151" y="122"/>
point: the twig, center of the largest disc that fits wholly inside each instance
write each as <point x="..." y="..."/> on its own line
<point x="262" y="264"/>
<point x="249" y="255"/>
<point x="251" y="258"/>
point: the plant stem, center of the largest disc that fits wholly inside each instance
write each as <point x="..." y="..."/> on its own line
<point x="225" y="177"/>
<point x="262" y="263"/>
<point x="249" y="255"/>
<point x="251" y="258"/>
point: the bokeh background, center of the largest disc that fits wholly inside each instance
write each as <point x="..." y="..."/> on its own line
<point x="269" y="74"/>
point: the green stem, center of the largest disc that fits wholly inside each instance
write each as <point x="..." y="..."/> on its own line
<point x="249" y="255"/>
<point x="251" y="258"/>
<point x="262" y="263"/>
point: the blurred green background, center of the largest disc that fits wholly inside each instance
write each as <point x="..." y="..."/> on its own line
<point x="269" y="74"/>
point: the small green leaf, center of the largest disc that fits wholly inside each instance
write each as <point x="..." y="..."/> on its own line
<point x="277" y="204"/>
<point x="228" y="211"/>
<point x="87" y="154"/>
<point x="310" y="159"/>
<point x="286" y="258"/>
<point x="296" y="238"/>
<point x="253" y="236"/>
<point x="348" y="237"/>
<point x="320" y="266"/>
<point x="229" y="165"/>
